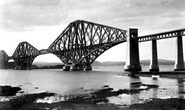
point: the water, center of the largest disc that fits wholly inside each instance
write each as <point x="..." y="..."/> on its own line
<point x="78" y="82"/>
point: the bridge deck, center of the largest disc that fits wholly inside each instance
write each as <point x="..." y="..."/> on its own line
<point x="162" y="35"/>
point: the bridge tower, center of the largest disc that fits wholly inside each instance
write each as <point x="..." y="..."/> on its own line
<point x="132" y="61"/>
<point x="24" y="55"/>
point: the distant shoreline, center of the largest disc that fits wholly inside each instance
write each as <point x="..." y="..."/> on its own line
<point x="58" y="65"/>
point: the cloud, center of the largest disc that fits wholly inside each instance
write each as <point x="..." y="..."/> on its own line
<point x="22" y="14"/>
<point x="44" y="20"/>
<point x="145" y="14"/>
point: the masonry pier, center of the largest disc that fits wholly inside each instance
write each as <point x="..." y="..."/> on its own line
<point x="154" y="60"/>
<point x="76" y="68"/>
<point x="132" y="62"/>
<point x="179" y="63"/>
<point x="88" y="68"/>
<point x="66" y="68"/>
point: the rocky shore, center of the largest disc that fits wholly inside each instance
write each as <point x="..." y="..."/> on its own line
<point x="95" y="100"/>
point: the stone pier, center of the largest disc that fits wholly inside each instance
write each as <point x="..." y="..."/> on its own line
<point x="154" y="60"/>
<point x="179" y="63"/>
<point x="77" y="68"/>
<point x="88" y="68"/>
<point x="132" y="62"/>
<point x="66" y="68"/>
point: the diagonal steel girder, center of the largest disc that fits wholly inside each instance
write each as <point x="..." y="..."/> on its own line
<point x="82" y="42"/>
<point x="24" y="54"/>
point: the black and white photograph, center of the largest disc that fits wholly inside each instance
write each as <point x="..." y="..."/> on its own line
<point x="92" y="55"/>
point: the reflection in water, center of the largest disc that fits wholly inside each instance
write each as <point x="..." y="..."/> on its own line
<point x="180" y="88"/>
<point x="134" y="84"/>
<point x="155" y="89"/>
<point x="134" y="98"/>
<point x="155" y="93"/>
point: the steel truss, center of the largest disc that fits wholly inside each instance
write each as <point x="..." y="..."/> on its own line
<point x="24" y="55"/>
<point x="82" y="42"/>
<point x="163" y="35"/>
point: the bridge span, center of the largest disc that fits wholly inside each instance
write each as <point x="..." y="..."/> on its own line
<point x="133" y="62"/>
<point x="78" y="46"/>
<point x="81" y="42"/>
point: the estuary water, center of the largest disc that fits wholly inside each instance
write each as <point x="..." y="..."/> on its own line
<point x="79" y="82"/>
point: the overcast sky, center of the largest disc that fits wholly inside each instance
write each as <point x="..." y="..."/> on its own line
<point x="41" y="21"/>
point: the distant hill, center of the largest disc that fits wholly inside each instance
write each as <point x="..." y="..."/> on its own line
<point x="143" y="62"/>
<point x="47" y="65"/>
<point x="41" y="64"/>
<point x="38" y="65"/>
<point x="160" y="62"/>
<point x="44" y="65"/>
<point x="108" y="63"/>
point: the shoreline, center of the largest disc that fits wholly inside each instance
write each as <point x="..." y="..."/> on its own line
<point x="93" y="101"/>
<point x="27" y="102"/>
<point x="99" y="98"/>
<point x="163" y="74"/>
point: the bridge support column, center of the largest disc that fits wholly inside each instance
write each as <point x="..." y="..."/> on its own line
<point x="66" y="68"/>
<point x="88" y="68"/>
<point x="132" y="62"/>
<point x="73" y="68"/>
<point x="154" y="60"/>
<point x="179" y="63"/>
<point x="80" y="68"/>
<point x="77" y="68"/>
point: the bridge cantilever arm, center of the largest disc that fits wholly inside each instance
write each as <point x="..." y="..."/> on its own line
<point x="102" y="25"/>
<point x="81" y="21"/>
<point x="63" y="32"/>
<point x="106" y="45"/>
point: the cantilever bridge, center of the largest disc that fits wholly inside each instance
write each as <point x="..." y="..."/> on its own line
<point x="81" y="42"/>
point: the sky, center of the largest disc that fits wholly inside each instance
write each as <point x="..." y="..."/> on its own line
<point x="39" y="22"/>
